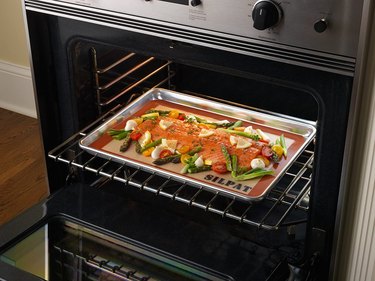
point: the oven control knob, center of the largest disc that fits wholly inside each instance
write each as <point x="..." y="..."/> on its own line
<point x="195" y="2"/>
<point x="266" y="14"/>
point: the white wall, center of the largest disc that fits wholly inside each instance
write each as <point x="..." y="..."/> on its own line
<point x="16" y="92"/>
<point x="13" y="47"/>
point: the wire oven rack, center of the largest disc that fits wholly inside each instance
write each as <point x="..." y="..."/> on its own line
<point x="285" y="205"/>
<point x="69" y="265"/>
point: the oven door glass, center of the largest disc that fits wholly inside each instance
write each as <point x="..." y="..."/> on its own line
<point x="64" y="250"/>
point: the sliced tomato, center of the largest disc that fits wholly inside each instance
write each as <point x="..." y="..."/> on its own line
<point x="219" y="167"/>
<point x="165" y="153"/>
<point x="267" y="151"/>
<point x="181" y="116"/>
<point x="135" y="135"/>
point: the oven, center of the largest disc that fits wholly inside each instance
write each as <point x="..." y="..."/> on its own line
<point x="107" y="220"/>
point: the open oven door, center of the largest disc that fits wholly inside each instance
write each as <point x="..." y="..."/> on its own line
<point x="58" y="240"/>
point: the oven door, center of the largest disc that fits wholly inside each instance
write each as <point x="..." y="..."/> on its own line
<point x="63" y="248"/>
<point x="81" y="233"/>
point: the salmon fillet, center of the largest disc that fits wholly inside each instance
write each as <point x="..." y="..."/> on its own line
<point x="188" y="134"/>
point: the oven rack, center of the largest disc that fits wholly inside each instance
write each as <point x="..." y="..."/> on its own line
<point x="286" y="204"/>
<point x="67" y="266"/>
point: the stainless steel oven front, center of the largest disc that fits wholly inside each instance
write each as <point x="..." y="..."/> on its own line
<point x="106" y="219"/>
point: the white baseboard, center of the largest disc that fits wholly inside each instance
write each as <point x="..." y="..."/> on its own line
<point x="16" y="89"/>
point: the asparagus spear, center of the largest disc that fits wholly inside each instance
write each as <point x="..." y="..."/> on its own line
<point x="243" y="134"/>
<point x="118" y="134"/>
<point x="175" y="158"/>
<point x="252" y="174"/>
<point x="126" y="143"/>
<point x="195" y="150"/>
<point x="234" y="166"/>
<point x="223" y="125"/>
<point x="195" y="169"/>
<point x="236" y="124"/>
<point x="151" y="144"/>
<point x="228" y="160"/>
<point x="161" y="112"/>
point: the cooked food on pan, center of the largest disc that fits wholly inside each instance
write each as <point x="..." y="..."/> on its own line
<point x="199" y="144"/>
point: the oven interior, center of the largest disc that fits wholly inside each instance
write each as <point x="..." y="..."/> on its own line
<point x="105" y="78"/>
<point x="115" y="75"/>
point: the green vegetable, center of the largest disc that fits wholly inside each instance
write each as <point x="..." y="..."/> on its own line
<point x="150" y="118"/>
<point x="125" y="145"/>
<point x="281" y="141"/>
<point x="190" y="164"/>
<point x="195" y="169"/>
<point x="138" y="147"/>
<point x="254" y="173"/>
<point x="185" y="169"/>
<point x="275" y="158"/>
<point x="161" y="112"/>
<point x="243" y="134"/>
<point x="192" y="160"/>
<point x="234" y="166"/>
<point x="240" y="174"/>
<point x="118" y="134"/>
<point x="201" y="120"/>
<point x="113" y="132"/>
<point x="236" y="124"/>
<point x="121" y="136"/>
<point x="222" y="125"/>
<point x="228" y="160"/>
<point x="195" y="150"/>
<point x="175" y="158"/>
<point x="151" y="144"/>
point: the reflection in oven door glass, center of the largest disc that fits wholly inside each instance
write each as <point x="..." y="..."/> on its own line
<point x="62" y="250"/>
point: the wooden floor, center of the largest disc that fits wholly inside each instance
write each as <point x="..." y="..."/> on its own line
<point x="22" y="176"/>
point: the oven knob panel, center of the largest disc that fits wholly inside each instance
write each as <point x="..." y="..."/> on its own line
<point x="266" y="14"/>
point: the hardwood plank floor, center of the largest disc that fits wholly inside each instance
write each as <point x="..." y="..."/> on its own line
<point x="22" y="171"/>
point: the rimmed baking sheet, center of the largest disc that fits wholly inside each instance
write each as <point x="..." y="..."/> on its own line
<point x="297" y="133"/>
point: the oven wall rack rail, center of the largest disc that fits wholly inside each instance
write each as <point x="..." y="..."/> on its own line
<point x="115" y="78"/>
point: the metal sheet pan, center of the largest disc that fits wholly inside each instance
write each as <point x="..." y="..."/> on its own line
<point x="298" y="134"/>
